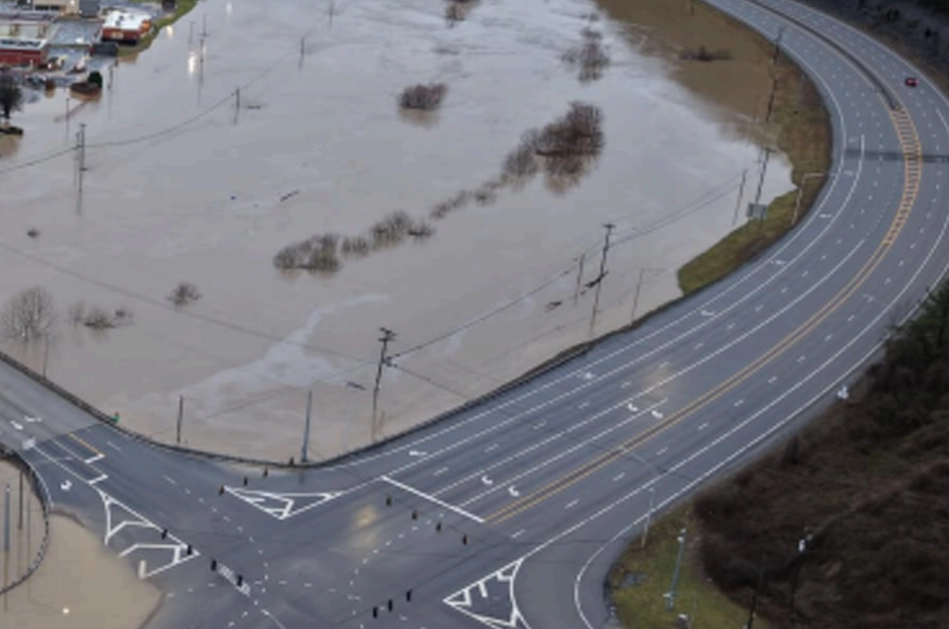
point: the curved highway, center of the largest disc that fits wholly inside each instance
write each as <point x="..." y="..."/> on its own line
<point x="510" y="513"/>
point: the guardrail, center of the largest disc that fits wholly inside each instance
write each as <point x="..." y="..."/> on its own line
<point x="38" y="489"/>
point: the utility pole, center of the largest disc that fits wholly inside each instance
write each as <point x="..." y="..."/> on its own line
<point x="306" y="427"/>
<point x="600" y="277"/>
<point x="6" y="519"/>
<point x="777" y="45"/>
<point x="764" y="169"/>
<point x="576" y="291"/>
<point x="181" y="414"/>
<point x="741" y="193"/>
<point x="774" y="89"/>
<point x="387" y="336"/>
<point x="45" y="352"/>
<point x="237" y="104"/>
<point x="671" y="596"/>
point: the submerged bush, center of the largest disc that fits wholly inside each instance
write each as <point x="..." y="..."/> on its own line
<point x="423" y="97"/>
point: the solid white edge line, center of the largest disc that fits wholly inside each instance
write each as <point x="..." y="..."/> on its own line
<point x="433" y="499"/>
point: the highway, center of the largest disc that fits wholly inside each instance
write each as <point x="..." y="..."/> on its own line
<point x="509" y="514"/>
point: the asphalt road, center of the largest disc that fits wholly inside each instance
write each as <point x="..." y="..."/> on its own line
<point x="509" y="514"/>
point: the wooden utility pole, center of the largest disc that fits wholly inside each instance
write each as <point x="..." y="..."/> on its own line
<point x="602" y="274"/>
<point x="387" y="336"/>
<point x="576" y="291"/>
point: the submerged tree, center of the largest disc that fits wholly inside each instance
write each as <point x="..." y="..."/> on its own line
<point x="11" y="95"/>
<point x="28" y="316"/>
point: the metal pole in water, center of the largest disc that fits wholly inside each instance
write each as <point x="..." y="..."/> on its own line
<point x="306" y="426"/>
<point x="6" y="519"/>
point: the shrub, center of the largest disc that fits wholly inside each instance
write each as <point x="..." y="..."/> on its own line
<point x="423" y="97"/>
<point x="183" y="294"/>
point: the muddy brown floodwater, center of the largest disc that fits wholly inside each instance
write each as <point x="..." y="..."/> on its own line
<point x="181" y="186"/>
<point x="79" y="585"/>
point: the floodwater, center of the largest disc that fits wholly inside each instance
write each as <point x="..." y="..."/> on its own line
<point x="79" y="585"/>
<point x="180" y="185"/>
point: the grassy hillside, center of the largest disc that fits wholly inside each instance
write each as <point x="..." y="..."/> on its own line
<point x="869" y="484"/>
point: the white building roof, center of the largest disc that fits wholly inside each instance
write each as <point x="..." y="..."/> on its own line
<point x="126" y="20"/>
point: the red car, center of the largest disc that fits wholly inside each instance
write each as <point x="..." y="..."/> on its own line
<point x="911" y="81"/>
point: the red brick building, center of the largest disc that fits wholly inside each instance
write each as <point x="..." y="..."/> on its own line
<point x="21" y="51"/>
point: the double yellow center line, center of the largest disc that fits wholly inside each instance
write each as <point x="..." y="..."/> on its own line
<point x="912" y="155"/>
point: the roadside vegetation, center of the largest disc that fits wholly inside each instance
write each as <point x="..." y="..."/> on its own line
<point x="642" y="577"/>
<point x="801" y="127"/>
<point x="867" y="485"/>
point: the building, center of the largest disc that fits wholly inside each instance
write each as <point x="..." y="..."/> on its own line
<point x="70" y="7"/>
<point x="22" y="51"/>
<point x="126" y="26"/>
<point x="89" y="8"/>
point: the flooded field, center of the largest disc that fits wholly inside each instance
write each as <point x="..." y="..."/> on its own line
<point x="182" y="185"/>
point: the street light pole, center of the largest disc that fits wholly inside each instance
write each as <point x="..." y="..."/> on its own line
<point x="652" y="499"/>
<point x="800" y="193"/>
<point x="639" y="284"/>
<point x="670" y="597"/>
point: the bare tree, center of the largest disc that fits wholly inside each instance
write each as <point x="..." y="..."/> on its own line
<point x="28" y="316"/>
<point x="11" y="94"/>
<point x="184" y="294"/>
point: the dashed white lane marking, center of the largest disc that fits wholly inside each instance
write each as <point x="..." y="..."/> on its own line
<point x="662" y="451"/>
<point x="95" y="458"/>
<point x="432" y="499"/>
<point x="440" y="471"/>
<point x="169" y="479"/>
<point x="113" y="446"/>
<point x="800" y="359"/>
<point x="98" y="479"/>
<point x="187" y="491"/>
<point x="850" y="318"/>
<point x="828" y="337"/>
<point x="626" y="384"/>
<point x="703" y="426"/>
<point x="583" y="405"/>
<point x="619" y="476"/>
<point x="772" y="379"/>
<point x="758" y="308"/>
<point x="739" y="402"/>
<point x="491" y="447"/>
<point x="517" y="534"/>
<point x="699" y="346"/>
<point x="16" y="425"/>
<point x="571" y="504"/>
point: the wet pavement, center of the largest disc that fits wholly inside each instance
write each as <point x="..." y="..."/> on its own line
<point x="181" y="185"/>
